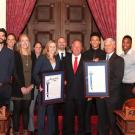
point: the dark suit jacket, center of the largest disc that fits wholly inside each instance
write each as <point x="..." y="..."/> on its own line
<point x="91" y="54"/>
<point x="116" y="72"/>
<point x="75" y="83"/>
<point x="43" y="65"/>
<point x="63" y="61"/>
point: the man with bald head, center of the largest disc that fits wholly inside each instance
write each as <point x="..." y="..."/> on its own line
<point x="107" y="105"/>
<point x="74" y="102"/>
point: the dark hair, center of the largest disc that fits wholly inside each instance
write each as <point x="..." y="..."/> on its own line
<point x="127" y="36"/>
<point x="4" y="31"/>
<point x="12" y="34"/>
<point x="95" y="34"/>
<point x="37" y="43"/>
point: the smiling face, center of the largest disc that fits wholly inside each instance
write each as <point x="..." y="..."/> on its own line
<point x="24" y="42"/>
<point x="76" y="47"/>
<point x="52" y="48"/>
<point x="11" y="41"/>
<point x="109" y="45"/>
<point x="95" y="42"/>
<point x="61" y="44"/>
<point x="2" y="37"/>
<point x="126" y="44"/>
<point x="38" y="48"/>
<point x="24" y="45"/>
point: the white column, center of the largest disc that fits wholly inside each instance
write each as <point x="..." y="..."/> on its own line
<point x="2" y="13"/>
<point x="125" y="21"/>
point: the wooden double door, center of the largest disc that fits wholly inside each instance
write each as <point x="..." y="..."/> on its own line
<point x="67" y="18"/>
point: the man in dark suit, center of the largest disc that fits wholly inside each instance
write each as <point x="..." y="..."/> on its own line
<point x="107" y="105"/>
<point x="62" y="54"/>
<point x="74" y="102"/>
<point x="93" y="54"/>
<point x="6" y="69"/>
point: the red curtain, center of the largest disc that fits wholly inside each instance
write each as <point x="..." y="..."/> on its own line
<point x="17" y="15"/>
<point x="104" y="13"/>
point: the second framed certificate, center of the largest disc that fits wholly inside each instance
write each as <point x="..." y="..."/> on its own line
<point x="96" y="79"/>
<point x="53" y="84"/>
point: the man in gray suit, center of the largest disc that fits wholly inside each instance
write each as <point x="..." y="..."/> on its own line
<point x="107" y="105"/>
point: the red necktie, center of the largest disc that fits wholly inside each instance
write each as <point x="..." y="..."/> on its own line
<point x="75" y="64"/>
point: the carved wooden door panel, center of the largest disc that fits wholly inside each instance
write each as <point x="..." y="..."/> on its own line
<point x="68" y="18"/>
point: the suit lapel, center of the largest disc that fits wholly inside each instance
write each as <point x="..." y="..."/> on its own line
<point x="112" y="58"/>
<point x="70" y="64"/>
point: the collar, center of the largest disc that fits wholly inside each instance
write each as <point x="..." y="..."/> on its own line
<point x="62" y="51"/>
<point x="79" y="56"/>
<point x="110" y="54"/>
<point x="129" y="52"/>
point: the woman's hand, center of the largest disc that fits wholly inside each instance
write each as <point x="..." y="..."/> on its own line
<point x="96" y="59"/>
<point x="89" y="99"/>
<point x="24" y="90"/>
<point x="29" y="88"/>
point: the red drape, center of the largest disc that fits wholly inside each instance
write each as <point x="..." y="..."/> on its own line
<point x="17" y="15"/>
<point x="104" y="13"/>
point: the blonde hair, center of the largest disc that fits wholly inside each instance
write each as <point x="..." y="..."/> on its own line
<point x="46" y="49"/>
<point x="19" y="49"/>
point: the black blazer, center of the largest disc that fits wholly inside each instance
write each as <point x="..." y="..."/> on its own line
<point x="43" y="65"/>
<point x="75" y="83"/>
<point x="116" y="67"/>
<point x="18" y="77"/>
<point x="63" y="61"/>
<point x="91" y="54"/>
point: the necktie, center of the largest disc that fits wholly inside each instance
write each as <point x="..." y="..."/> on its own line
<point x="75" y="64"/>
<point x="62" y="56"/>
<point x="107" y="57"/>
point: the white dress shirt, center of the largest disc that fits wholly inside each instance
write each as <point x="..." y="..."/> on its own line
<point x="108" y="56"/>
<point x="60" y="52"/>
<point x="78" y="59"/>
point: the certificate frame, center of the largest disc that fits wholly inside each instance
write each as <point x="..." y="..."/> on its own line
<point x="96" y="78"/>
<point x="53" y="93"/>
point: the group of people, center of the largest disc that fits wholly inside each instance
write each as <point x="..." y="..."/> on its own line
<point x="21" y="70"/>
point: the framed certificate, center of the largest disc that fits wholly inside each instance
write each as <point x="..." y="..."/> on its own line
<point x="96" y="79"/>
<point x="53" y="85"/>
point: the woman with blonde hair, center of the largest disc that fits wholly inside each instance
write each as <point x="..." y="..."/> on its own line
<point x="48" y="62"/>
<point x="22" y="84"/>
